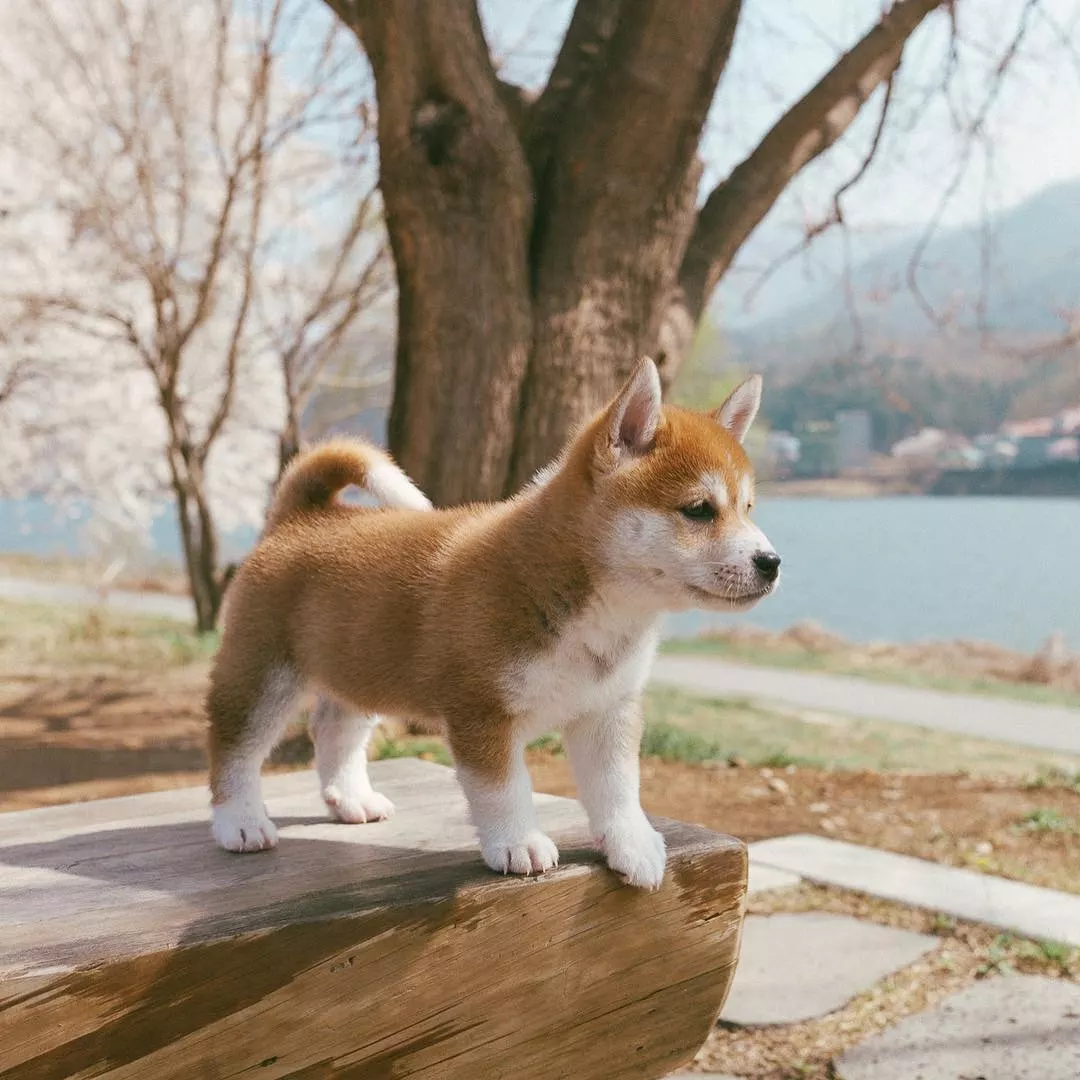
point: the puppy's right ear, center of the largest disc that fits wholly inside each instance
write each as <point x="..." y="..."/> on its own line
<point x="633" y="418"/>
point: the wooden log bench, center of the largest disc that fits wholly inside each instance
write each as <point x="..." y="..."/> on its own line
<point x="131" y="947"/>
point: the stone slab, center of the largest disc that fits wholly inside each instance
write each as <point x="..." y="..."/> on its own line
<point x="801" y="966"/>
<point x="766" y="878"/>
<point x="1021" y="1027"/>
<point x="1027" y="910"/>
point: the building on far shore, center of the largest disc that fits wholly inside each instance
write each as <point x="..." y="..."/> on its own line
<point x="854" y="439"/>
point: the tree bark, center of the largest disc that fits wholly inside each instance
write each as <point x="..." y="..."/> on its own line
<point x="458" y="196"/>
<point x="614" y="213"/>
<point x="542" y="247"/>
<point x="288" y="440"/>
<point x="198" y="538"/>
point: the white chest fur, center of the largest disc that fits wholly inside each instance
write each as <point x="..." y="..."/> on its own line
<point x="600" y="659"/>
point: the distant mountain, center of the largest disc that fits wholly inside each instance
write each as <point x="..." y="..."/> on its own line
<point x="1009" y="277"/>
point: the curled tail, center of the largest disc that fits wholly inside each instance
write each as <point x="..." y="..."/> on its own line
<point x="315" y="477"/>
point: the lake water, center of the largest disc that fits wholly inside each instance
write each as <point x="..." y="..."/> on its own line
<point x="917" y="568"/>
<point x="904" y="569"/>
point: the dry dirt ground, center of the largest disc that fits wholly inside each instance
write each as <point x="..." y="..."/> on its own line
<point x="981" y="822"/>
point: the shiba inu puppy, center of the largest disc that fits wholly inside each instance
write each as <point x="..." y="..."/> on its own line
<point x="498" y="622"/>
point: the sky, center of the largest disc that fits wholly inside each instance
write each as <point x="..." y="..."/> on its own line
<point x="926" y="167"/>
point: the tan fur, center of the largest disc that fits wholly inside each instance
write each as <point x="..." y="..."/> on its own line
<point x="422" y="614"/>
<point x="313" y="479"/>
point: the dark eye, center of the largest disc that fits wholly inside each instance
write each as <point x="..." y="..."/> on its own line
<point x="699" y="511"/>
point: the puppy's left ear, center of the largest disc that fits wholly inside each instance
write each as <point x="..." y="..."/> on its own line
<point x="738" y="412"/>
<point x="634" y="416"/>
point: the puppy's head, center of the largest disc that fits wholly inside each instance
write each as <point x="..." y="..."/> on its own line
<point x="674" y="490"/>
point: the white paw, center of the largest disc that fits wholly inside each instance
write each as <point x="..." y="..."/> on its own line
<point x="534" y="853"/>
<point x="357" y="806"/>
<point x="243" y="828"/>
<point x="635" y="850"/>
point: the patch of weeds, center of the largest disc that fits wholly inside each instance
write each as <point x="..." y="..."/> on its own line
<point x="984" y="862"/>
<point x="1054" y="777"/>
<point x="550" y="743"/>
<point x="944" y="925"/>
<point x="998" y="957"/>
<point x="191" y="648"/>
<point x="425" y="749"/>
<point x="780" y="759"/>
<point x="670" y="743"/>
<point x="1055" y="953"/>
<point x="1046" y="819"/>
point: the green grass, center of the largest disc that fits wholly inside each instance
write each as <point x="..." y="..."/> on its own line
<point x="803" y="660"/>
<point x="69" y="638"/>
<point x="1045" y="819"/>
<point x="407" y="746"/>
<point x="1054" y="776"/>
<point x="672" y="743"/>
<point x="698" y="730"/>
<point x="549" y="742"/>
<point x="710" y="729"/>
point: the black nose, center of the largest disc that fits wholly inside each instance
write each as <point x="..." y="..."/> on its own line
<point x="768" y="564"/>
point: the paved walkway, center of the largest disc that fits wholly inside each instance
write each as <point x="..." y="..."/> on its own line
<point x="1026" y="910"/>
<point x="802" y="967"/>
<point x="1047" y="727"/>
<point x="63" y="592"/>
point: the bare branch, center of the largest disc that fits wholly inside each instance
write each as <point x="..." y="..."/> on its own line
<point x="973" y="132"/>
<point x="836" y="212"/>
<point x="738" y="204"/>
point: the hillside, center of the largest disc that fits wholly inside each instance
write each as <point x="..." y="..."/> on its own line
<point x="1010" y="277"/>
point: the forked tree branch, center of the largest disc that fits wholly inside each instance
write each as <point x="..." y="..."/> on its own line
<point x="813" y="124"/>
<point x="583" y="53"/>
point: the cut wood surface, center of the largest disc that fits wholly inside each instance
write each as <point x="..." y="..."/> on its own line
<point x="131" y="947"/>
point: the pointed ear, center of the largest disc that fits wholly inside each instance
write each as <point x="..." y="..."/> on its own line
<point x="634" y="416"/>
<point x="738" y="412"/>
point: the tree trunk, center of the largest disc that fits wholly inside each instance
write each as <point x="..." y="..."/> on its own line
<point x="543" y="246"/>
<point x="288" y="441"/>
<point x="198" y="537"/>
<point x="458" y="200"/>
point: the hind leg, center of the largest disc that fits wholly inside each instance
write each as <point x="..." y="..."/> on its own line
<point x="248" y="712"/>
<point x="341" y="739"/>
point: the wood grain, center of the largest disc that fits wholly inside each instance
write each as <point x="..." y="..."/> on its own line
<point x="130" y="947"/>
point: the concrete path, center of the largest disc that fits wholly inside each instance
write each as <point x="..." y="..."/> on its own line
<point x="796" y="967"/>
<point x="1018" y="1028"/>
<point x="63" y="592"/>
<point x="1047" y="727"/>
<point x="1027" y="910"/>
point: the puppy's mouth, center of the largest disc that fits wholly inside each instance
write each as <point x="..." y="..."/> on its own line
<point x="738" y="602"/>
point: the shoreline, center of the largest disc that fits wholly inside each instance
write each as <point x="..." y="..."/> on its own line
<point x="1051" y="673"/>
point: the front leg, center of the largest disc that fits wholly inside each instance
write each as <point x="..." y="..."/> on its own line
<point x="604" y="753"/>
<point x="490" y="766"/>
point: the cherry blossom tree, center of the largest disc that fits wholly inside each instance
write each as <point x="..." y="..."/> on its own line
<point x="190" y="225"/>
